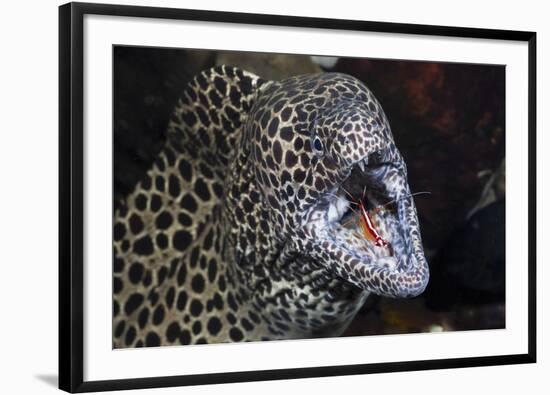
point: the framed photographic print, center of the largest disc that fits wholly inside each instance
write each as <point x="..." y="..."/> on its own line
<point x="253" y="197"/>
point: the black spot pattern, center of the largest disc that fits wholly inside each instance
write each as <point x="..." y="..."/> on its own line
<point x="133" y="303"/>
<point x="214" y="326"/>
<point x="181" y="240"/>
<point x="201" y="190"/>
<point x="152" y="340"/>
<point x="173" y="332"/>
<point x="185" y="169"/>
<point x="136" y="272"/>
<point x="236" y="334"/>
<point x="197" y="283"/>
<point x="189" y="203"/>
<point x="163" y="220"/>
<point x="143" y="246"/>
<point x="196" y="307"/>
<point x="158" y="315"/>
<point x="173" y="236"/>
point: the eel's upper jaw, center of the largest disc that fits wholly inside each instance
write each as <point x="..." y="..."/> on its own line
<point x="335" y="221"/>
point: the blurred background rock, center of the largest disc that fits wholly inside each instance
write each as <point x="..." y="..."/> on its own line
<point x="448" y="122"/>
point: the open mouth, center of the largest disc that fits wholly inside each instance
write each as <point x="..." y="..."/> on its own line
<point x="357" y="218"/>
<point x="365" y="230"/>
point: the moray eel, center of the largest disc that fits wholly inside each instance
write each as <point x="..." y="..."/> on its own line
<point x="241" y="230"/>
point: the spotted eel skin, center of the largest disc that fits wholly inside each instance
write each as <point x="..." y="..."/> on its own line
<point x="240" y="230"/>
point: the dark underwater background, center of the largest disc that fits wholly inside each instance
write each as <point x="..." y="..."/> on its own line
<point x="448" y="120"/>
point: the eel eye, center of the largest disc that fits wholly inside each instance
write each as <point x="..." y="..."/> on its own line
<point x="317" y="144"/>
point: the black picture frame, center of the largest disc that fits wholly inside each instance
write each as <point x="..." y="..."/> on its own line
<point x="71" y="206"/>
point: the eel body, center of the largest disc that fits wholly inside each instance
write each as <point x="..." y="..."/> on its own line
<point x="244" y="230"/>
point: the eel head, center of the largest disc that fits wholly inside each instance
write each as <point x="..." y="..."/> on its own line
<point x="335" y="184"/>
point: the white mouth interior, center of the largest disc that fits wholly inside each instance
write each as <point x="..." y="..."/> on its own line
<point x="338" y="218"/>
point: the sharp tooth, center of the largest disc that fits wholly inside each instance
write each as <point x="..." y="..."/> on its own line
<point x="333" y="214"/>
<point x="342" y="206"/>
<point x="361" y="166"/>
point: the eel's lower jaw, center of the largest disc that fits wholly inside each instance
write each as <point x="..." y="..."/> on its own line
<point x="348" y="255"/>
